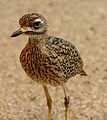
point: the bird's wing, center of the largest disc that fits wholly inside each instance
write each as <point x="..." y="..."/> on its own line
<point x="66" y="55"/>
<point x="62" y="47"/>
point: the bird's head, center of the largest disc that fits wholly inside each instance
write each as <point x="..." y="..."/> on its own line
<point x="31" y="24"/>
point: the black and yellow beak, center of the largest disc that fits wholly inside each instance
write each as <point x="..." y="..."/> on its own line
<point x="19" y="32"/>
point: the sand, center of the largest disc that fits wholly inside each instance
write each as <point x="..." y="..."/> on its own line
<point x="84" y="24"/>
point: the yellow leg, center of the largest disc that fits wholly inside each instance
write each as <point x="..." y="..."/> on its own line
<point x="49" y="102"/>
<point x="66" y="103"/>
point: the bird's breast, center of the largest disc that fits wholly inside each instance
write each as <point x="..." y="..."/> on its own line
<point x="38" y="66"/>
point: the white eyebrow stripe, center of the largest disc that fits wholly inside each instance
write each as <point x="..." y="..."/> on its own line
<point x="39" y="20"/>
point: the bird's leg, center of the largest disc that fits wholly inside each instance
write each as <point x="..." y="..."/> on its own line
<point x="66" y="103"/>
<point x="49" y="102"/>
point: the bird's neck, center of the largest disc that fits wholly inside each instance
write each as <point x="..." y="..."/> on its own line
<point x="38" y="38"/>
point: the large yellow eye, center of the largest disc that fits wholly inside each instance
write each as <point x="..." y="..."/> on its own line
<point x="37" y="24"/>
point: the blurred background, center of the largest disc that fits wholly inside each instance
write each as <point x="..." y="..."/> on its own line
<point x="84" y="24"/>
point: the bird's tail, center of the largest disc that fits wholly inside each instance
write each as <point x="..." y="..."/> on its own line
<point x="83" y="73"/>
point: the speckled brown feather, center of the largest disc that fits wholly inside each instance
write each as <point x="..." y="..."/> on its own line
<point x="27" y="19"/>
<point x="48" y="59"/>
<point x="38" y="67"/>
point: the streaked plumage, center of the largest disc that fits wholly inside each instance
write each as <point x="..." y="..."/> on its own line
<point x="53" y="62"/>
<point x="46" y="59"/>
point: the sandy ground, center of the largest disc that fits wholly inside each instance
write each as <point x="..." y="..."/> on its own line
<point x="84" y="23"/>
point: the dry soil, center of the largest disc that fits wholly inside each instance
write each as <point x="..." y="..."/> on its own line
<point x="84" y="24"/>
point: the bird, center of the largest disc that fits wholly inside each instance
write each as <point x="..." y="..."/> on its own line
<point x="46" y="59"/>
